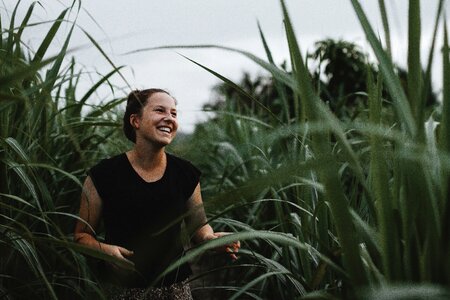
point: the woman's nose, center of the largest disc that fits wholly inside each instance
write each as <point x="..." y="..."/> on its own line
<point x="169" y="117"/>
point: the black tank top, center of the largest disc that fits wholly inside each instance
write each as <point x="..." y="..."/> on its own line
<point x="145" y="217"/>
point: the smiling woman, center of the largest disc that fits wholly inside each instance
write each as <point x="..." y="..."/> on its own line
<point x="157" y="122"/>
<point x="136" y="106"/>
<point x="142" y="196"/>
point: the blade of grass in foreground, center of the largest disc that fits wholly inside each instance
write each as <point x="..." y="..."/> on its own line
<point x="280" y="88"/>
<point x="100" y="49"/>
<point x="22" y="27"/>
<point x="380" y="187"/>
<point x="444" y="146"/>
<point x="415" y="67"/>
<point x="28" y="251"/>
<point x="276" y="237"/>
<point x="444" y="132"/>
<point x="48" y="38"/>
<point x="427" y="77"/>
<point x="417" y="200"/>
<point x="406" y="291"/>
<point x="329" y="174"/>
<point x="237" y="88"/>
<point x="10" y="40"/>
<point x="387" y="34"/>
<point x="255" y="281"/>
<point x="281" y="75"/>
<point x="391" y="80"/>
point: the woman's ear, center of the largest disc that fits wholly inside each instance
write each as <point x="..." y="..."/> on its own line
<point x="134" y="121"/>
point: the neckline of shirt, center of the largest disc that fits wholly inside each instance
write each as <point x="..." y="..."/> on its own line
<point x="130" y="166"/>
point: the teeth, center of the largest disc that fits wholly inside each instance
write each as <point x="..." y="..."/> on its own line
<point x="165" y="129"/>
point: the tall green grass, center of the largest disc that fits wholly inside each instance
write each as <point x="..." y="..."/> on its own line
<point x="326" y="208"/>
<point x="49" y="136"/>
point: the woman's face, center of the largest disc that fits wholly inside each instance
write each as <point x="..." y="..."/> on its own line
<point x="157" y="123"/>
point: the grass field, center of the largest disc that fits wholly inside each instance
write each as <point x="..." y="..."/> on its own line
<point x="325" y="208"/>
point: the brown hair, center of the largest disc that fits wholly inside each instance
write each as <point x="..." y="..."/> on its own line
<point x="137" y="99"/>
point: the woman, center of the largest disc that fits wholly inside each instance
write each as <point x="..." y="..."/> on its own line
<point x="141" y="196"/>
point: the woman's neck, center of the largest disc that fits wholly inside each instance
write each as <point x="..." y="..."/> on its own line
<point x="146" y="157"/>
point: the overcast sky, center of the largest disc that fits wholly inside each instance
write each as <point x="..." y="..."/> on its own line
<point x="124" y="26"/>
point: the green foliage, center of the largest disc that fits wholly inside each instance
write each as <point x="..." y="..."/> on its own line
<point x="330" y="200"/>
<point x="49" y="136"/>
<point x="366" y="195"/>
<point x="344" y="67"/>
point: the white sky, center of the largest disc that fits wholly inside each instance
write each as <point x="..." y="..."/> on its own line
<point x="123" y="26"/>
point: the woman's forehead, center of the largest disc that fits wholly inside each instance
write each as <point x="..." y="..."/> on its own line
<point x="161" y="99"/>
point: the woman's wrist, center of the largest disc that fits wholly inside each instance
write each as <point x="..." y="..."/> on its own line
<point x="208" y="237"/>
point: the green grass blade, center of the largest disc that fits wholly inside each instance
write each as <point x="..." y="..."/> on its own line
<point x="444" y="131"/>
<point x="391" y="80"/>
<point x="281" y="90"/>
<point x="239" y="89"/>
<point x="336" y="128"/>
<point x="368" y="233"/>
<point x="242" y="117"/>
<point x="427" y="78"/>
<point x="83" y="249"/>
<point x="51" y="77"/>
<point x="18" y="215"/>
<point x="387" y="32"/>
<point x="23" y="25"/>
<point x="59" y="170"/>
<point x="10" y="39"/>
<point x="329" y="175"/>
<point x="97" y="85"/>
<point x="97" y="111"/>
<point x="280" y="75"/>
<point x="444" y="146"/>
<point x="255" y="281"/>
<point x="414" y="66"/>
<point x="49" y="38"/>
<point x="28" y="252"/>
<point x="1" y="31"/>
<point x="380" y="187"/>
<point x="52" y="74"/>
<point x="276" y="237"/>
<point x="99" y="48"/>
<point x="266" y="46"/>
<point x="421" y="291"/>
<point x="23" y="72"/>
<point x="18" y="199"/>
<point x="17" y="148"/>
<point x="300" y="71"/>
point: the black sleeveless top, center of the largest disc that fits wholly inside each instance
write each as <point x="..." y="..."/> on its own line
<point x="145" y="217"/>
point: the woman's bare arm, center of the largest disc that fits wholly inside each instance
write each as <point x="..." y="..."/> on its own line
<point x="203" y="232"/>
<point x="90" y="211"/>
<point x="196" y="220"/>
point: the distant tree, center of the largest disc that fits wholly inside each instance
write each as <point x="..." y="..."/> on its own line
<point x="261" y="88"/>
<point x="339" y="71"/>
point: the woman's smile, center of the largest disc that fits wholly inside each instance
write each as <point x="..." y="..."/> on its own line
<point x="165" y="129"/>
<point x="158" y="121"/>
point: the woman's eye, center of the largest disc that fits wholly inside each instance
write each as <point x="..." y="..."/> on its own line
<point x="174" y="115"/>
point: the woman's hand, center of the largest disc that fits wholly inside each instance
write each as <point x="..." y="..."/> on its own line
<point x="120" y="253"/>
<point x="232" y="249"/>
